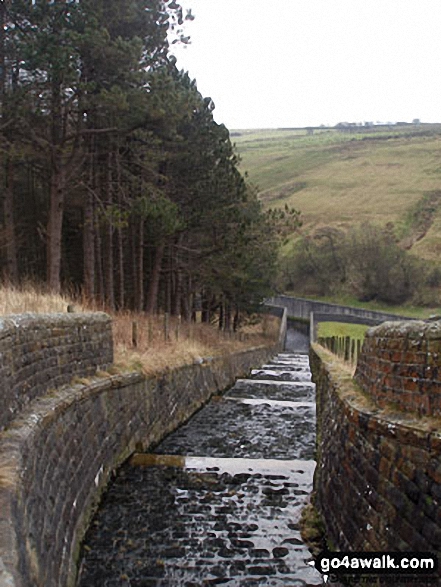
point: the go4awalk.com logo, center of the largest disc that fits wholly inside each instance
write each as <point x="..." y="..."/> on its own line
<point x="423" y="564"/>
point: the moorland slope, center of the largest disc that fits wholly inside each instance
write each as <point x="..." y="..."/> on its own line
<point x="383" y="175"/>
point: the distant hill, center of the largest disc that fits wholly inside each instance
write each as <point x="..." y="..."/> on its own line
<point x="339" y="177"/>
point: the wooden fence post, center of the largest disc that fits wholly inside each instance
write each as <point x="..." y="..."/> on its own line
<point x="353" y="347"/>
<point x="347" y="354"/>
<point x="358" y="349"/>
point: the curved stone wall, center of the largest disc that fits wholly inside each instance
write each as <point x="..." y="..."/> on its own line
<point x="378" y="477"/>
<point x="400" y="364"/>
<point x="42" y="352"/>
<point x="57" y="456"/>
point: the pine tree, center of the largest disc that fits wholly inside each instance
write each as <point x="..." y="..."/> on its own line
<point x="129" y="190"/>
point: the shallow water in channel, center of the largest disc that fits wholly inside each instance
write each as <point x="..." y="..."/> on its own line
<point x="219" y="501"/>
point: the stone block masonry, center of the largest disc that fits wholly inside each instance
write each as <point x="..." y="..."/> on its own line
<point x="400" y="365"/>
<point x="42" y="352"/>
<point x="56" y="457"/>
<point x="378" y="476"/>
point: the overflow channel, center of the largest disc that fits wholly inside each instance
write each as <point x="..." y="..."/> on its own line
<point x="219" y="500"/>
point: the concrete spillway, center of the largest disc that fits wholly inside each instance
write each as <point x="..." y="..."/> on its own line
<point x="219" y="501"/>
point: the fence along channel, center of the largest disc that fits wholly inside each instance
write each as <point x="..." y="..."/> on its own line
<point x="345" y="347"/>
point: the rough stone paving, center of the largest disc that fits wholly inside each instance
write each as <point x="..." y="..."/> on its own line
<point x="220" y="501"/>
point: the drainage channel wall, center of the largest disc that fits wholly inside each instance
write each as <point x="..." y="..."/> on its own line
<point x="41" y="352"/>
<point x="378" y="475"/>
<point x="57" y="455"/>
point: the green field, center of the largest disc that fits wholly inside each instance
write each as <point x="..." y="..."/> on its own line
<point x="328" y="329"/>
<point x="381" y="175"/>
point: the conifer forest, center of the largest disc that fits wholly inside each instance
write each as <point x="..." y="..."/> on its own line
<point x="116" y="180"/>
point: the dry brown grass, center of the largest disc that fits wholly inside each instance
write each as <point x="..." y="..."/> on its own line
<point x="346" y="366"/>
<point x="185" y="343"/>
<point x="32" y="298"/>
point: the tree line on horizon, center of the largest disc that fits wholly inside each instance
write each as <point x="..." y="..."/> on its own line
<point x="117" y="181"/>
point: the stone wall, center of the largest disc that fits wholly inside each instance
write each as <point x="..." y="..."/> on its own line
<point x="400" y="365"/>
<point x="57" y="456"/>
<point x="39" y="353"/>
<point x="378" y="476"/>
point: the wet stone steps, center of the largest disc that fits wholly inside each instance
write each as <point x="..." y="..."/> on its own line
<point x="219" y="501"/>
<point x="275" y="390"/>
<point x="232" y="428"/>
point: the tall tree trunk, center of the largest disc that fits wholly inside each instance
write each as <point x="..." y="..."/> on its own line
<point x="11" y="242"/>
<point x="89" y="248"/>
<point x="120" y="239"/>
<point x="152" y="296"/>
<point x="11" y="273"/>
<point x="134" y="265"/>
<point x="2" y="58"/>
<point x="191" y="300"/>
<point x="54" y="230"/>
<point x="120" y="247"/>
<point x="236" y="318"/>
<point x="186" y="301"/>
<point x="110" y="287"/>
<point x="140" y="268"/>
<point x="178" y="289"/>
<point x="169" y="289"/>
<point x="221" y="316"/>
<point x="89" y="261"/>
<point x="57" y="184"/>
<point x="227" y="315"/>
<point x="99" y="265"/>
<point x="206" y="300"/>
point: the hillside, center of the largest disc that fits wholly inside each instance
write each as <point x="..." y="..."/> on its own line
<point x="382" y="175"/>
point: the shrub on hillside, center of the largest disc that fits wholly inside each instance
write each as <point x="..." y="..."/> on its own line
<point x="366" y="262"/>
<point x="378" y="268"/>
<point x="317" y="265"/>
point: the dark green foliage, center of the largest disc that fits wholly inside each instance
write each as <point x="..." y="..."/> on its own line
<point x="319" y="262"/>
<point x="114" y="168"/>
<point x="366" y="262"/>
<point x="378" y="268"/>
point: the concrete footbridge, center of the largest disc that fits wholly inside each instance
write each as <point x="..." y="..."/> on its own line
<point x="314" y="312"/>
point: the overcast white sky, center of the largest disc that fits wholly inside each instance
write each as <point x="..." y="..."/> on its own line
<point x="285" y="63"/>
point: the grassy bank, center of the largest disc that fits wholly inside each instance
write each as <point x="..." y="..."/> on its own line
<point x="185" y="342"/>
<point x="158" y="346"/>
